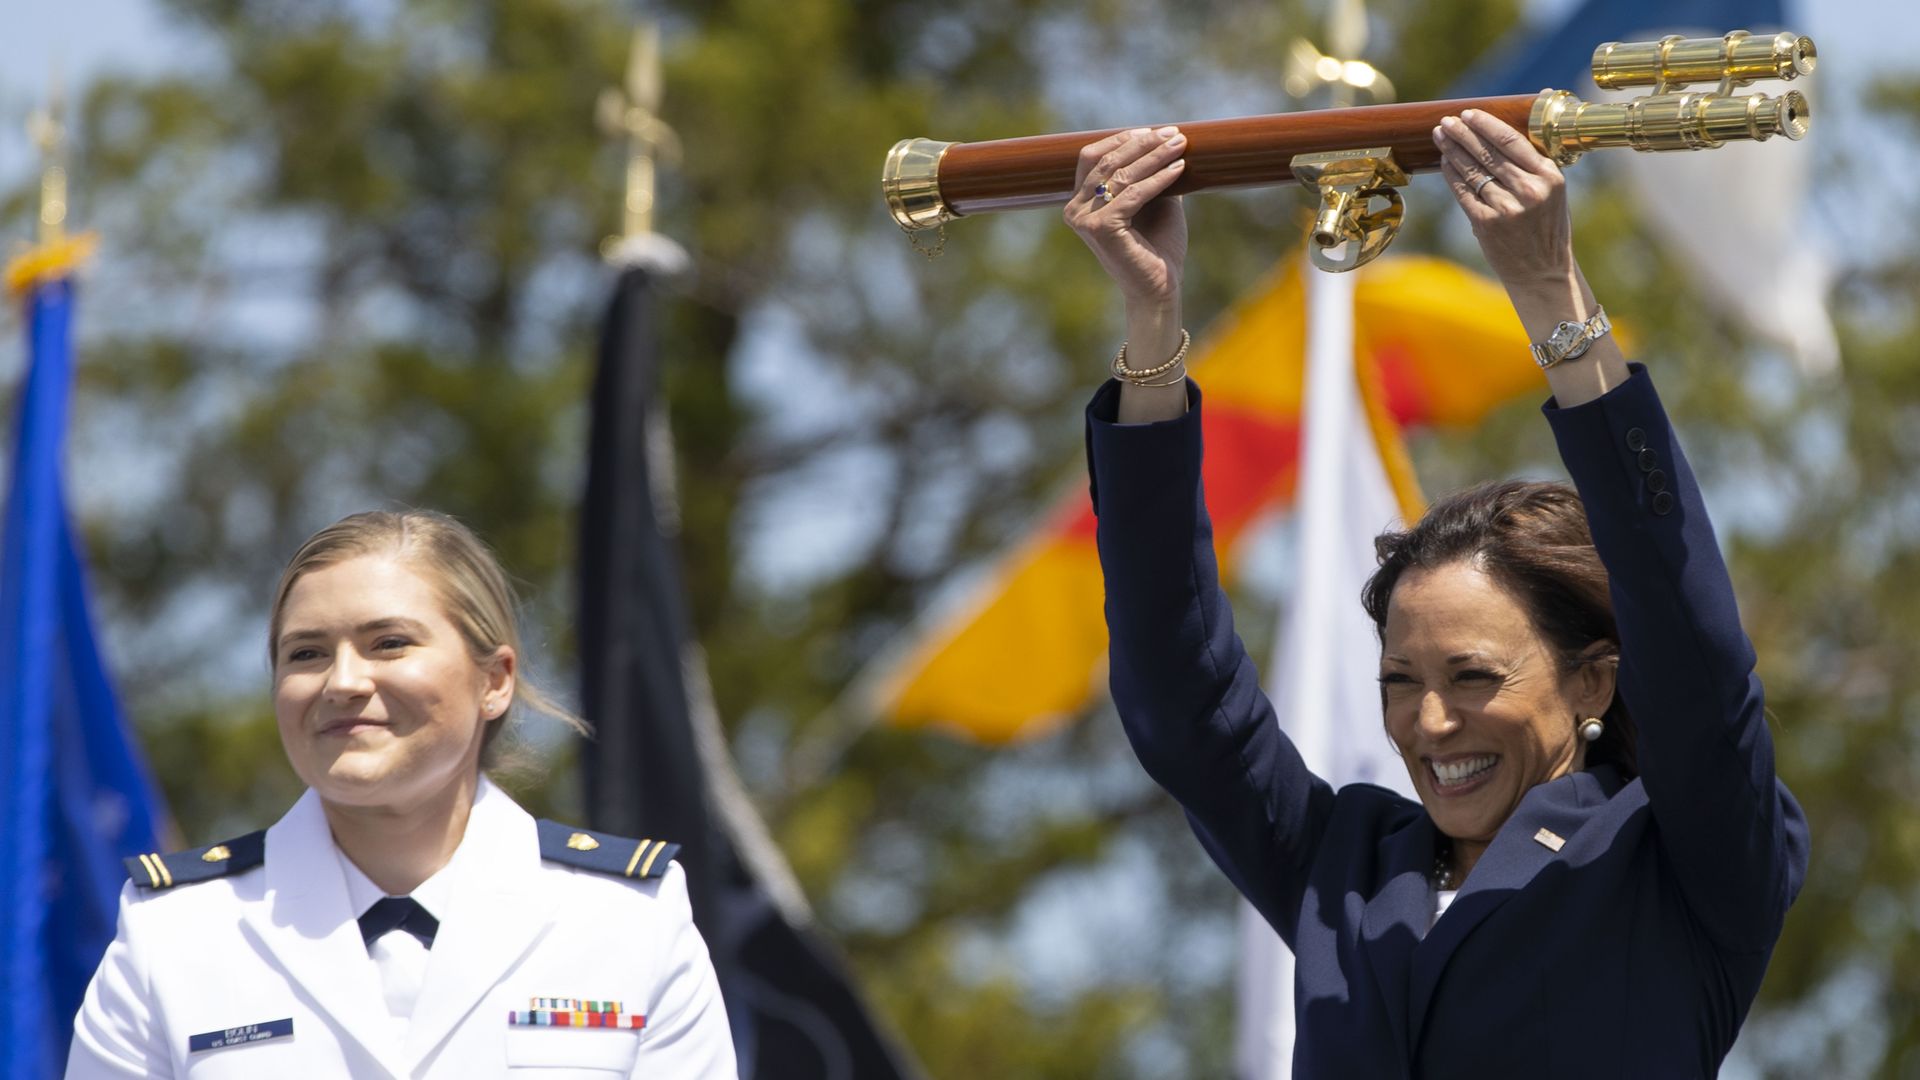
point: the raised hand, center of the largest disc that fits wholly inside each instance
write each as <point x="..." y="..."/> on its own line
<point x="1515" y="197"/>
<point x="1140" y="240"/>
<point x="1516" y="200"/>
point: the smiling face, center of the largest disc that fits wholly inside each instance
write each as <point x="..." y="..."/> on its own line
<point x="379" y="701"/>
<point x="1476" y="699"/>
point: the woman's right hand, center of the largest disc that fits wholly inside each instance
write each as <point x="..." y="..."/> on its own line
<point x="1140" y="240"/>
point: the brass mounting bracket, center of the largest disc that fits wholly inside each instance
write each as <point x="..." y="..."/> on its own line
<point x="1349" y="181"/>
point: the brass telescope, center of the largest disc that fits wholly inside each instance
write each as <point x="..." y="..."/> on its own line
<point x="1353" y="157"/>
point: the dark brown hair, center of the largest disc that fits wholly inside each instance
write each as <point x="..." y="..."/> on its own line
<point x="1532" y="538"/>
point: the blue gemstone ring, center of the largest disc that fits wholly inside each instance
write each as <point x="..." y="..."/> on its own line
<point x="1105" y="191"/>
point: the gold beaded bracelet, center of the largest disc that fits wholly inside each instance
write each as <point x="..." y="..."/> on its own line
<point x="1144" y="376"/>
<point x="1177" y="378"/>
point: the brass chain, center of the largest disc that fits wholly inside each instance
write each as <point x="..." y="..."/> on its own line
<point x="940" y="245"/>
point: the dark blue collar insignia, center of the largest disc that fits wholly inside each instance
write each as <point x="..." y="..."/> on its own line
<point x="604" y="852"/>
<point x="156" y="871"/>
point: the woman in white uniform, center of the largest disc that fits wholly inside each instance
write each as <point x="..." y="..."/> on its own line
<point x="405" y="918"/>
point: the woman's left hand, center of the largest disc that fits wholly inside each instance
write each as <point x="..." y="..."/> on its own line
<point x="1515" y="197"/>
<point x="1516" y="200"/>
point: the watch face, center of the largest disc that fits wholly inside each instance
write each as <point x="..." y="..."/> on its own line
<point x="1565" y="335"/>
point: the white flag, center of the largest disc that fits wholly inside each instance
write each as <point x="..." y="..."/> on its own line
<point x="1323" y="679"/>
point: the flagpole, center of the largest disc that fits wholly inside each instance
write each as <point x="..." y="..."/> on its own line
<point x="55" y="255"/>
<point x="76" y="795"/>
<point x="661" y="766"/>
<point x="1311" y="676"/>
<point x="632" y="113"/>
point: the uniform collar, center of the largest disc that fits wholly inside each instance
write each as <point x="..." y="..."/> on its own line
<point x="494" y="908"/>
<point x="497" y="906"/>
<point x="436" y="894"/>
<point x="306" y="925"/>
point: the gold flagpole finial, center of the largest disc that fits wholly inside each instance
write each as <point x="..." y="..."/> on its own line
<point x="634" y="115"/>
<point x="49" y="134"/>
<point x="54" y="254"/>
<point x="1340" y="69"/>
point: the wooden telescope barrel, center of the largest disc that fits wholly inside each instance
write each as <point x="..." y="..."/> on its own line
<point x="1009" y="174"/>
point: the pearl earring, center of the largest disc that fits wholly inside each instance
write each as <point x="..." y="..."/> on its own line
<point x="1590" y="728"/>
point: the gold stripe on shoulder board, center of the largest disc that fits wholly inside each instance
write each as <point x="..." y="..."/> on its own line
<point x="157" y="870"/>
<point x="657" y="849"/>
<point x="635" y="861"/>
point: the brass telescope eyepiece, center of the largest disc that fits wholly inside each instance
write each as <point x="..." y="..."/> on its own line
<point x="1674" y="62"/>
<point x="1566" y="127"/>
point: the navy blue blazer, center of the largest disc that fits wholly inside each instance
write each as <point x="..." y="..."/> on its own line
<point x="1634" y="950"/>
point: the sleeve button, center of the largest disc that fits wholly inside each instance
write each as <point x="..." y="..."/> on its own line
<point x="1636" y="439"/>
<point x="1657" y="481"/>
<point x="1649" y="460"/>
<point x="1663" y="503"/>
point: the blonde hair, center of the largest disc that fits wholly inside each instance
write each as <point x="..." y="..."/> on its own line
<point x="462" y="570"/>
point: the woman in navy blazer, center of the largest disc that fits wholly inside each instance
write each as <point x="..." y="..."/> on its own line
<point x="1602" y="857"/>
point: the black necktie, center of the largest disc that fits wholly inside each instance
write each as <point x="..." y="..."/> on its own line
<point x="398" y="913"/>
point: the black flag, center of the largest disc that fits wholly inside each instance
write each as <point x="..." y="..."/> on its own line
<point x="660" y="766"/>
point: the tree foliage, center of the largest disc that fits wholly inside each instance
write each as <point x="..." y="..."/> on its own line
<point x="351" y="262"/>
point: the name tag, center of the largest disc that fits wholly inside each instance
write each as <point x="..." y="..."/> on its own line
<point x="241" y="1036"/>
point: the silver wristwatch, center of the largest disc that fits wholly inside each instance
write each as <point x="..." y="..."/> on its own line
<point x="1571" y="340"/>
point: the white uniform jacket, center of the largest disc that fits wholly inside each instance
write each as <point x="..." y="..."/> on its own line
<point x="279" y="942"/>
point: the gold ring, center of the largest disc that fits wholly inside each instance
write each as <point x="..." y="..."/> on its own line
<point x="1105" y="191"/>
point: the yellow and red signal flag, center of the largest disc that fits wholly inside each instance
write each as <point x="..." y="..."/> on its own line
<point x="1435" y="345"/>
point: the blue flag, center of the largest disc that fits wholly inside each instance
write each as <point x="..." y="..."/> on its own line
<point x="76" y="793"/>
<point x="1534" y="59"/>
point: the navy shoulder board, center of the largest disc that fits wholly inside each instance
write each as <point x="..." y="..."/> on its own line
<point x="156" y="871"/>
<point x="604" y="852"/>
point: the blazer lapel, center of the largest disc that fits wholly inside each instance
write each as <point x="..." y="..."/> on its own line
<point x="305" y="923"/>
<point x="1395" y="920"/>
<point x="499" y="910"/>
<point x="1520" y="850"/>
